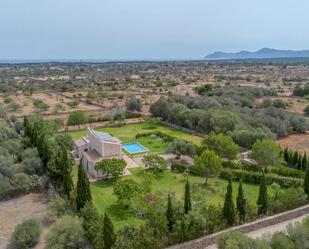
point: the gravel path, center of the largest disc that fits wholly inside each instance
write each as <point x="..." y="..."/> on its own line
<point x="268" y="230"/>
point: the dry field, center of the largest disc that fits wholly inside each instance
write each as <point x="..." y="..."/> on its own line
<point x="50" y="99"/>
<point x="15" y="211"/>
<point x="299" y="142"/>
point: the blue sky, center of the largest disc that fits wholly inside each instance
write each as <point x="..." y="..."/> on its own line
<point x="147" y="29"/>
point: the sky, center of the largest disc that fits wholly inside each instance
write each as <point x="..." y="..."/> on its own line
<point x="148" y="29"/>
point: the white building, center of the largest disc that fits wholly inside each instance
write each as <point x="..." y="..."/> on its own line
<point x="95" y="147"/>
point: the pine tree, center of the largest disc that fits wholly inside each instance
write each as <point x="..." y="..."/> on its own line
<point x="187" y="202"/>
<point x="109" y="236"/>
<point x="304" y="162"/>
<point x="262" y="199"/>
<point x="229" y="208"/>
<point x="83" y="194"/>
<point x="306" y="182"/>
<point x="241" y="203"/>
<point x="170" y="214"/>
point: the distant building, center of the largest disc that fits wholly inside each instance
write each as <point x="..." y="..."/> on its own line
<point x="245" y="158"/>
<point x="95" y="147"/>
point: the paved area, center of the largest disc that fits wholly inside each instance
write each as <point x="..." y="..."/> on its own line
<point x="280" y="227"/>
<point x="166" y="156"/>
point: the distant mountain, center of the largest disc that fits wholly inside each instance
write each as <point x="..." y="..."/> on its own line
<point x="264" y="53"/>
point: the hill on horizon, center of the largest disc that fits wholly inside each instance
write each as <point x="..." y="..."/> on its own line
<point x="264" y="53"/>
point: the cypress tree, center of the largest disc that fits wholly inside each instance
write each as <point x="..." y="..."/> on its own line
<point x="241" y="203"/>
<point x="109" y="236"/>
<point x="262" y="199"/>
<point x="83" y="194"/>
<point x="295" y="158"/>
<point x="286" y="154"/>
<point x="187" y="202"/>
<point x="92" y="225"/>
<point x="299" y="162"/>
<point x="304" y="162"/>
<point x="170" y="214"/>
<point x="26" y="127"/>
<point x="229" y="208"/>
<point x="67" y="183"/>
<point x="291" y="157"/>
<point x="306" y="182"/>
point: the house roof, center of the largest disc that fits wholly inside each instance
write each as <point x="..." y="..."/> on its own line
<point x="81" y="142"/>
<point x="92" y="156"/>
<point x="103" y="136"/>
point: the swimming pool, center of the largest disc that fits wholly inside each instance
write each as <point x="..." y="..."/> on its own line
<point x="134" y="148"/>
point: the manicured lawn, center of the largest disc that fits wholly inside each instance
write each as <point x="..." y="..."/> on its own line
<point x="166" y="182"/>
<point x="128" y="132"/>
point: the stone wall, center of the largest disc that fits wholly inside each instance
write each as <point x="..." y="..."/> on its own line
<point x="208" y="240"/>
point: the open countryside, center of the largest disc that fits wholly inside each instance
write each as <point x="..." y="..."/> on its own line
<point x="154" y="124"/>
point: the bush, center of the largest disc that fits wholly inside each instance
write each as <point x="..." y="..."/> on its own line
<point x="255" y="177"/>
<point x="132" y="115"/>
<point x="178" y="167"/>
<point x="26" y="234"/>
<point x="282" y="171"/>
<point x="164" y="136"/>
<point x="66" y="233"/>
<point x="286" y="199"/>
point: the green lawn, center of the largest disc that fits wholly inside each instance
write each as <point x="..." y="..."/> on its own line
<point x="166" y="182"/>
<point x="127" y="134"/>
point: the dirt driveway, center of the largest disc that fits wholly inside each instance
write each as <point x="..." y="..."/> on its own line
<point x="15" y="211"/>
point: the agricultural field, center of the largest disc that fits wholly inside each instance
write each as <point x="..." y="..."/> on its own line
<point x="298" y="142"/>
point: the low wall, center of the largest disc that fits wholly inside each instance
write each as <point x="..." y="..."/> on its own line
<point x="208" y="240"/>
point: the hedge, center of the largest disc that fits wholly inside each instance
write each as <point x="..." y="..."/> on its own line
<point x="282" y="171"/>
<point x="160" y="134"/>
<point x="255" y="177"/>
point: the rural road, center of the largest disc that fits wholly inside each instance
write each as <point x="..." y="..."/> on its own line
<point x="268" y="230"/>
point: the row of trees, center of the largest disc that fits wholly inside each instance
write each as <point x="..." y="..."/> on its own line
<point x="295" y="159"/>
<point x="58" y="164"/>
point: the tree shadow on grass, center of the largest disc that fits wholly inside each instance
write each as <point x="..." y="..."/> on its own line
<point x="119" y="211"/>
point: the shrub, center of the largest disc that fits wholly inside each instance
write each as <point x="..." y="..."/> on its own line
<point x="282" y="171"/>
<point x="132" y="115"/>
<point x="66" y="233"/>
<point x="164" y="136"/>
<point x="26" y="234"/>
<point x="77" y="118"/>
<point x="255" y="177"/>
<point x="286" y="199"/>
<point x="178" y="167"/>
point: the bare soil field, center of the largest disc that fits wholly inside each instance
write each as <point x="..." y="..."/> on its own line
<point x="51" y="99"/>
<point x="15" y="211"/>
<point x="298" y="142"/>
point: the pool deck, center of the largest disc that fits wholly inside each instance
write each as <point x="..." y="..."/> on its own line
<point x="132" y="144"/>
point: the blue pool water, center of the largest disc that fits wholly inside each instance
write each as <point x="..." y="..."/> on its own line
<point x="134" y="148"/>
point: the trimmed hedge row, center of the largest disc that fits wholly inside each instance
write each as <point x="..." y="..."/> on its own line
<point x="255" y="177"/>
<point x="281" y="171"/>
<point x="160" y="134"/>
